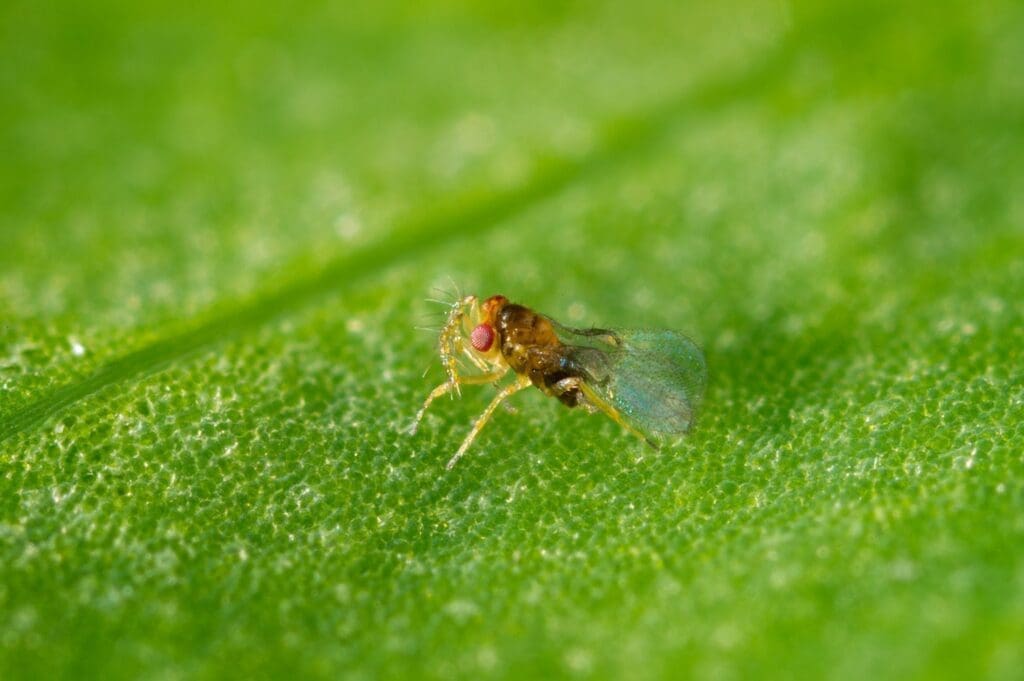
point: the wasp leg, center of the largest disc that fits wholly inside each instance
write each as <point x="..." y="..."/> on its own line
<point x="613" y="413"/>
<point x="450" y="385"/>
<point x="568" y="385"/>
<point x="451" y="339"/>
<point x="481" y="421"/>
<point x="477" y="362"/>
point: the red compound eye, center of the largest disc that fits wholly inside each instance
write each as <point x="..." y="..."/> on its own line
<point x="482" y="337"/>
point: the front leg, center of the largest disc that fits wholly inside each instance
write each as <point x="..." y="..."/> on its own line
<point x="451" y="338"/>
<point x="481" y="421"/>
<point x="452" y="384"/>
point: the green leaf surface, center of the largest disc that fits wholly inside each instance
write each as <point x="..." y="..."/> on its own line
<point x="220" y="229"/>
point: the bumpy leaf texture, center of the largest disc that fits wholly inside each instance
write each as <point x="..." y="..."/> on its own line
<point x="221" y="224"/>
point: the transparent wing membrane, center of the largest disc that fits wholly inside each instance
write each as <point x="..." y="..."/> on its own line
<point x="653" y="380"/>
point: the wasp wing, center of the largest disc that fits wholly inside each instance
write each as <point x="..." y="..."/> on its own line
<point x="653" y="380"/>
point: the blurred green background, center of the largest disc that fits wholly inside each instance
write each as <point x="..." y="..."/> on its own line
<point x="219" y="227"/>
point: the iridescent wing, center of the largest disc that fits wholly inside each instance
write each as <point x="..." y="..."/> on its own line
<point x="650" y="380"/>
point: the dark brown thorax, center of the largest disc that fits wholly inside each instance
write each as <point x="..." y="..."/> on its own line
<point x="530" y="346"/>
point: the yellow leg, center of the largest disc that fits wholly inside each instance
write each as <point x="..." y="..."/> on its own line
<point x="451" y="337"/>
<point x="613" y="413"/>
<point x="481" y="421"/>
<point x="450" y="385"/>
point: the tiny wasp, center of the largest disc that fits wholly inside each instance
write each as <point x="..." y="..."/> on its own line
<point x="648" y="381"/>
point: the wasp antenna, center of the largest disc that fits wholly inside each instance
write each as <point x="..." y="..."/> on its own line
<point x="458" y="291"/>
<point x="444" y="292"/>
